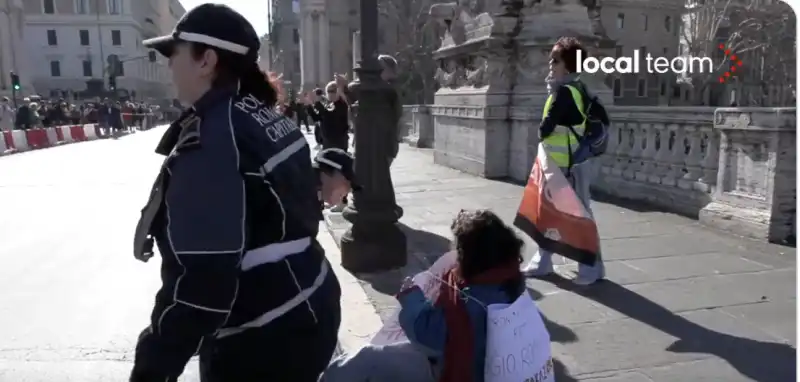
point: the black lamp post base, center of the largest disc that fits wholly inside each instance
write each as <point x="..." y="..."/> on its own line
<point x="375" y="247"/>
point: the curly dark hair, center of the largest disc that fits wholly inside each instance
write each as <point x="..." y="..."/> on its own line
<point x="483" y="241"/>
<point x="566" y="49"/>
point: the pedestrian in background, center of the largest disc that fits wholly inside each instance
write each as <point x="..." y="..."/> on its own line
<point x="6" y="115"/>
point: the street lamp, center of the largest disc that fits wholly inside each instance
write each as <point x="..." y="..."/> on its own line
<point x="375" y="241"/>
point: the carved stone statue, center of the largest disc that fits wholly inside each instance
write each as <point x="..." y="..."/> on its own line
<point x="451" y="77"/>
<point x="477" y="76"/>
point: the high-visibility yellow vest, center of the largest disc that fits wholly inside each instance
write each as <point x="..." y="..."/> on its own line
<point x="561" y="142"/>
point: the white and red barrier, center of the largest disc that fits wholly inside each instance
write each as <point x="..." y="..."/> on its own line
<point x="33" y="139"/>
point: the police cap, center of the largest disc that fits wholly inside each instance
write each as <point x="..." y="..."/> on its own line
<point x="339" y="160"/>
<point x="215" y="25"/>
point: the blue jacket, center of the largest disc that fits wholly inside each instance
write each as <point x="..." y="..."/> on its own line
<point x="235" y="215"/>
<point x="424" y="323"/>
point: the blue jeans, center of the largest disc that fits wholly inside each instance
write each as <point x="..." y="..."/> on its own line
<point x="580" y="178"/>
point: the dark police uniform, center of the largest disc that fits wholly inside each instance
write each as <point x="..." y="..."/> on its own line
<point x="234" y="213"/>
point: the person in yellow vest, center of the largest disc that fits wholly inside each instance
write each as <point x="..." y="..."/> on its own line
<point x="563" y="119"/>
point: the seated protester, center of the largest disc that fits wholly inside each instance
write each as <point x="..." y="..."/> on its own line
<point x="447" y="336"/>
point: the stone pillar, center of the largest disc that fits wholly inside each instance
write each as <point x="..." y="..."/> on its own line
<point x="307" y="75"/>
<point x="324" y="50"/>
<point x="757" y="173"/>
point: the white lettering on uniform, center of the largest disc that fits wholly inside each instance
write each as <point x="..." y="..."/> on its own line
<point x="266" y="117"/>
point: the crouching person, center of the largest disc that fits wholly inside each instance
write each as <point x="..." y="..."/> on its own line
<point x="447" y="337"/>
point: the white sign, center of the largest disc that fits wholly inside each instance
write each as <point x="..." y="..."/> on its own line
<point x="429" y="281"/>
<point x="517" y="343"/>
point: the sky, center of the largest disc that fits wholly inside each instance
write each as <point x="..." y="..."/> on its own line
<point x="254" y="10"/>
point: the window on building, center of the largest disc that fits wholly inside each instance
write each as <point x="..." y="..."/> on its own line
<point x="82" y="7"/>
<point x="618" y="51"/>
<point x="116" y="38"/>
<point x="676" y="92"/>
<point x="55" y="68"/>
<point x="617" y="87"/>
<point x="620" y="20"/>
<point x="644" y="22"/>
<point x="121" y="68"/>
<point x="49" y="6"/>
<point x="641" y="87"/>
<point x="668" y="23"/>
<point x="87" y="68"/>
<point x="643" y="52"/>
<point x="114" y="7"/>
<point x="296" y="36"/>
<point x="665" y="52"/>
<point x="686" y="95"/>
<point x="52" y="38"/>
<point x="663" y="90"/>
<point x="83" y="35"/>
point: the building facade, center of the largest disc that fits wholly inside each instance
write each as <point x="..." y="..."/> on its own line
<point x="12" y="48"/>
<point x="649" y="26"/>
<point x="284" y="54"/>
<point x="69" y="42"/>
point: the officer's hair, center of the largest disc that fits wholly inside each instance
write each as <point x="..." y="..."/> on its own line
<point x="233" y="68"/>
<point x="566" y="50"/>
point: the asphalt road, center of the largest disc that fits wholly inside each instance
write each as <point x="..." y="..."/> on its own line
<point x="72" y="297"/>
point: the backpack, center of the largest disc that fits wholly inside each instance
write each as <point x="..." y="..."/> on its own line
<point x="594" y="141"/>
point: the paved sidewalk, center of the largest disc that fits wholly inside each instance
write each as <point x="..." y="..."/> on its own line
<point x="682" y="302"/>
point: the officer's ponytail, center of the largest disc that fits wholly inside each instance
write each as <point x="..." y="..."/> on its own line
<point x="233" y="68"/>
<point x="264" y="86"/>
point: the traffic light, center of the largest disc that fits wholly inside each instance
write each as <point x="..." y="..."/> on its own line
<point x="151" y="56"/>
<point x="112" y="82"/>
<point x="15" y="82"/>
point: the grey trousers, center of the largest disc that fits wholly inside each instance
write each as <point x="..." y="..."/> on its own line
<point x="401" y="362"/>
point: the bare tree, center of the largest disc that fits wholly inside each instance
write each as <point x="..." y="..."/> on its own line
<point x="755" y="32"/>
<point x="408" y="35"/>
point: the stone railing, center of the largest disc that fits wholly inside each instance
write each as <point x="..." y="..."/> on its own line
<point x="667" y="157"/>
<point x="416" y="125"/>
<point x="733" y="167"/>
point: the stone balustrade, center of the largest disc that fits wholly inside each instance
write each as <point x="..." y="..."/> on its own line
<point x="416" y="126"/>
<point x="730" y="167"/>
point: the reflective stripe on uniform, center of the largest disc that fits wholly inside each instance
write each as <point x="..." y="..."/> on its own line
<point x="559" y="144"/>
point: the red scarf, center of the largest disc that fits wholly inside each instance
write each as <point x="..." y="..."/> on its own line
<point x="459" y="348"/>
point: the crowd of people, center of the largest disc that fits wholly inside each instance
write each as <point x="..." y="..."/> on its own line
<point x="36" y="112"/>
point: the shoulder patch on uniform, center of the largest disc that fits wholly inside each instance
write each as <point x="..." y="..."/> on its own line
<point x="190" y="132"/>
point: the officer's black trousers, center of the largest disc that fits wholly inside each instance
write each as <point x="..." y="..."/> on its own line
<point x="292" y="348"/>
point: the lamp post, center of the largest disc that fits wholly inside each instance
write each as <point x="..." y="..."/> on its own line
<point x="375" y="241"/>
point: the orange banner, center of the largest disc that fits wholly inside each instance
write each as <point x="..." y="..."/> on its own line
<point x="553" y="215"/>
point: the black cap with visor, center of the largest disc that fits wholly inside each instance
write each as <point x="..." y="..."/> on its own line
<point x="215" y="25"/>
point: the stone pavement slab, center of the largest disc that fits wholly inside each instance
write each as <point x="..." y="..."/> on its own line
<point x="681" y="302"/>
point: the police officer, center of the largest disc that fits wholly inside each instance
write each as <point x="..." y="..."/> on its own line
<point x="234" y="213"/>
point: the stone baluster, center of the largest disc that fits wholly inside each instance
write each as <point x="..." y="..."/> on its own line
<point x="693" y="158"/>
<point x="635" y="155"/>
<point x="623" y="148"/>
<point x="610" y="159"/>
<point x="649" y="152"/>
<point x="661" y="159"/>
<point x="676" y="158"/>
<point x="710" y="161"/>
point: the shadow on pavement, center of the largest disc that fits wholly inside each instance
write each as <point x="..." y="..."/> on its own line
<point x="759" y="361"/>
<point x="424" y="248"/>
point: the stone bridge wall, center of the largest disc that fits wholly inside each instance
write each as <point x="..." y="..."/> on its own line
<point x="734" y="168"/>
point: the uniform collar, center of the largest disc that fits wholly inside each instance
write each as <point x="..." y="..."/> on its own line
<point x="211" y="97"/>
<point x="191" y="117"/>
